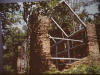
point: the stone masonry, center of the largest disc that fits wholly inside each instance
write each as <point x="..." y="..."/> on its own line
<point x="92" y="40"/>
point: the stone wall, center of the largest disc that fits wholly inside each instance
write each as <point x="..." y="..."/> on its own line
<point x="92" y="40"/>
<point x="40" y="45"/>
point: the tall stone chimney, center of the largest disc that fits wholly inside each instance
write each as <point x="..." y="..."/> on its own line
<point x="92" y="40"/>
<point x="40" y="45"/>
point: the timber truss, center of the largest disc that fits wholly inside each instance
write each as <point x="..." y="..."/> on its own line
<point x="67" y="39"/>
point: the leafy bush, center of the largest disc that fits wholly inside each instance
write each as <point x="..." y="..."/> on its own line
<point x="53" y="71"/>
<point x="84" y="69"/>
<point x="93" y="69"/>
<point x="78" y="69"/>
<point x="8" y="69"/>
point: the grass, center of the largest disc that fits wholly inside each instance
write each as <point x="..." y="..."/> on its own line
<point x="80" y="69"/>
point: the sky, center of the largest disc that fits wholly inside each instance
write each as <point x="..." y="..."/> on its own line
<point x="91" y="9"/>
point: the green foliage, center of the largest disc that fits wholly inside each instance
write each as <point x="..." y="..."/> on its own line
<point x="97" y="20"/>
<point x="12" y="41"/>
<point x="78" y="69"/>
<point x="83" y="15"/>
<point x="53" y="71"/>
<point x="7" y="62"/>
<point x="93" y="69"/>
<point x="12" y="7"/>
<point x="15" y="37"/>
<point x="6" y="57"/>
<point x="63" y="17"/>
<point x="53" y="3"/>
<point x="8" y="69"/>
<point x="9" y="11"/>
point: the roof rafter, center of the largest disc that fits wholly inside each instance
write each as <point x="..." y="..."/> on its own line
<point x="75" y="14"/>
<point x="59" y="27"/>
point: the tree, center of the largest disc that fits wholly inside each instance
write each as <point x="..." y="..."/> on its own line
<point x="11" y="36"/>
<point x="12" y="41"/>
<point x="0" y="47"/>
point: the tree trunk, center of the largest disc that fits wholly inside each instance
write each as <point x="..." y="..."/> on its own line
<point x="21" y="60"/>
<point x="0" y="47"/>
<point x="39" y="44"/>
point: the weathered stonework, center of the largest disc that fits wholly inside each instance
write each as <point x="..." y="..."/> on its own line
<point x="92" y="40"/>
<point x="40" y="45"/>
<point x="45" y="42"/>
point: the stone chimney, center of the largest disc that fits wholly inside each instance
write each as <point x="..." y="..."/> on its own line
<point x="40" y="59"/>
<point x="92" y="40"/>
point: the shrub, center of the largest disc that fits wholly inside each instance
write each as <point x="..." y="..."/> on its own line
<point x="8" y="69"/>
<point x="93" y="69"/>
<point x="78" y="69"/>
<point x="83" y="69"/>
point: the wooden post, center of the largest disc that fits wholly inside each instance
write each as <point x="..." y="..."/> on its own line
<point x="19" y="59"/>
<point x="92" y="40"/>
<point x="56" y="55"/>
<point x="75" y="14"/>
<point x="0" y="47"/>
<point x="68" y="49"/>
<point x="59" y="27"/>
<point x="56" y="50"/>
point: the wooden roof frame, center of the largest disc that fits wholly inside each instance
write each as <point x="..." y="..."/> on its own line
<point x="67" y="37"/>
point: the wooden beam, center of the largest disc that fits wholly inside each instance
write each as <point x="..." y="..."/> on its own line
<point x="57" y="43"/>
<point x="59" y="27"/>
<point x="72" y="48"/>
<point x="75" y="14"/>
<point x="56" y="50"/>
<point x="68" y="49"/>
<point x="62" y="52"/>
<point x="72" y="35"/>
<point x="84" y="44"/>
<point x="77" y="32"/>
<point x="58" y="58"/>
<point x="52" y="39"/>
<point x="65" y="39"/>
